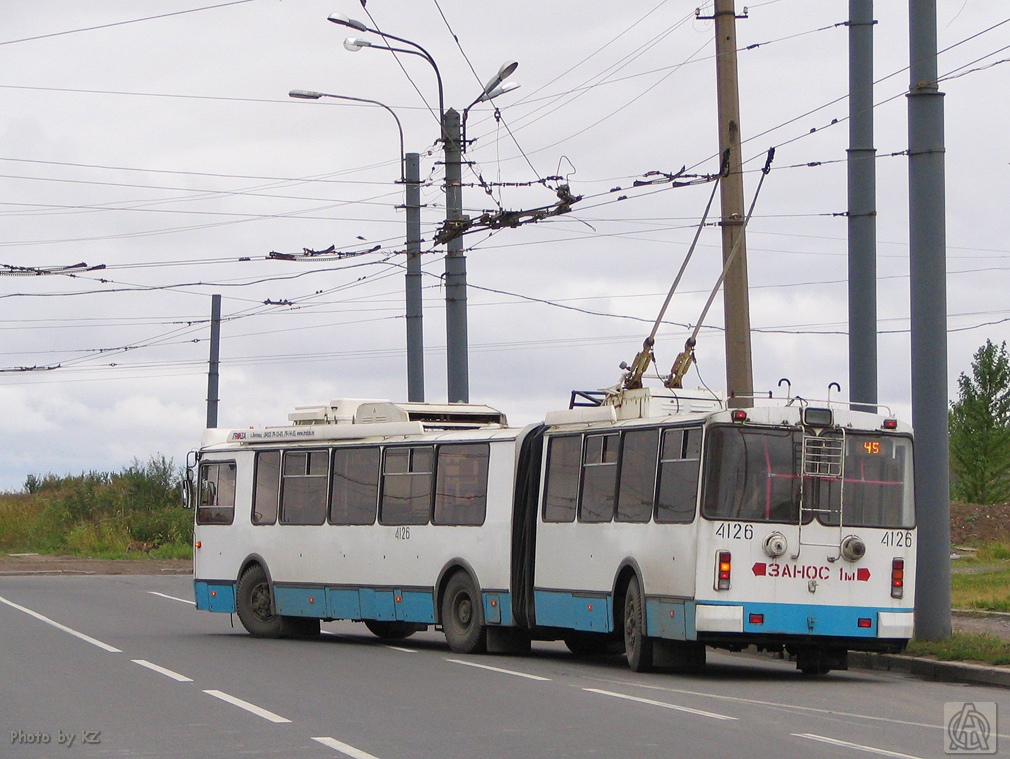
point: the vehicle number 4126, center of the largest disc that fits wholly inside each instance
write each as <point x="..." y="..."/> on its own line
<point x="899" y="538"/>
<point x="402" y="533"/>
<point x="735" y="531"/>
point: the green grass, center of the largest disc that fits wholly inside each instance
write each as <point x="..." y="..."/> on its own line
<point x="973" y="647"/>
<point x="985" y="583"/>
<point x="98" y="514"/>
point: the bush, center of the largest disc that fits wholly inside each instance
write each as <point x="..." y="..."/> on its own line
<point x="98" y="513"/>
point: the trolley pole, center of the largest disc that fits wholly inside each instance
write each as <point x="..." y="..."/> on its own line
<point x="415" y="328"/>
<point x="739" y="374"/>
<point x="928" y="290"/>
<point x="215" y="355"/>
<point x="862" y="216"/>
<point x="457" y="361"/>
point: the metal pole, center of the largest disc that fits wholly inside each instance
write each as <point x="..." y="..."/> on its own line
<point x="415" y="329"/>
<point x="862" y="216"/>
<point x="215" y="355"/>
<point x="928" y="289"/>
<point x="739" y="375"/>
<point x="455" y="268"/>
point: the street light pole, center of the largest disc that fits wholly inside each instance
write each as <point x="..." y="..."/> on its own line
<point x="457" y="343"/>
<point x="410" y="176"/>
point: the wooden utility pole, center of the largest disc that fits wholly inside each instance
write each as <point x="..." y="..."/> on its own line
<point x="739" y="374"/>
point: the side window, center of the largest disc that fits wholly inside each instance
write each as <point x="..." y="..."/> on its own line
<point x="599" y="478"/>
<point x="636" y="493"/>
<point x="680" y="458"/>
<point x="303" y="487"/>
<point x="267" y="488"/>
<point x="355" y="490"/>
<point x="217" y="493"/>
<point x="561" y="493"/>
<point x="406" y="485"/>
<point x="461" y="484"/>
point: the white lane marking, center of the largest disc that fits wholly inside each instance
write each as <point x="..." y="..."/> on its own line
<point x="499" y="669"/>
<point x="776" y="704"/>
<point x="258" y="711"/>
<point x="343" y="748"/>
<point x="64" y="628"/>
<point x="663" y="704"/>
<point x="171" y="598"/>
<point x="162" y="670"/>
<point x="856" y="746"/>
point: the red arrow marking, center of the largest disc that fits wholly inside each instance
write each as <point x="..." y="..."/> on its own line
<point x="759" y="569"/>
<point x="862" y="574"/>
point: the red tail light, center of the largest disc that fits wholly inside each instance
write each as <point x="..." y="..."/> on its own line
<point x="723" y="569"/>
<point x="864" y="622"/>
<point x="897" y="578"/>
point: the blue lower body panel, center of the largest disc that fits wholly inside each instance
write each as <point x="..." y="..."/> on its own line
<point x="574" y="611"/>
<point x="808" y="619"/>
<point x="214" y="596"/>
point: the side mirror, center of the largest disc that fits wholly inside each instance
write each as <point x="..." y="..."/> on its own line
<point x="187" y="490"/>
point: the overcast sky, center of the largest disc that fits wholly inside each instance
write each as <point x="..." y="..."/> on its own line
<point x="161" y="144"/>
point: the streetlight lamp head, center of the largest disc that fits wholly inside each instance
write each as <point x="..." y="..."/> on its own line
<point x="506" y="70"/>
<point x="340" y="18"/>
<point x="354" y="44"/>
<point x="501" y="89"/>
<point x="305" y="95"/>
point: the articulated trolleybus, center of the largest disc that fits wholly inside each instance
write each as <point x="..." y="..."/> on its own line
<point x="653" y="523"/>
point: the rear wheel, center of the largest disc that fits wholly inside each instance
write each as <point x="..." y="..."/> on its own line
<point x="462" y="620"/>
<point x="637" y="645"/>
<point x="255" y="605"/>
<point x="392" y="630"/>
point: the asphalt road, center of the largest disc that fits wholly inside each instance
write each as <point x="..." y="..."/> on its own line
<point x="124" y="666"/>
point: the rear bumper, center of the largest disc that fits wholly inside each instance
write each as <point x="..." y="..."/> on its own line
<point x="762" y="621"/>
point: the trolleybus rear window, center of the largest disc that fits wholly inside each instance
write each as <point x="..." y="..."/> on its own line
<point x="753" y="474"/>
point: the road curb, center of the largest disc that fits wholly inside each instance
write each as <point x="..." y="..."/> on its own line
<point x="931" y="669"/>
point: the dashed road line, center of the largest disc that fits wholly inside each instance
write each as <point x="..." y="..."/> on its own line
<point x="856" y="746"/>
<point x="343" y="748"/>
<point x="662" y="704"/>
<point x="499" y="669"/>
<point x="171" y="598"/>
<point x="166" y="672"/>
<point x="64" y="628"/>
<point x="252" y="708"/>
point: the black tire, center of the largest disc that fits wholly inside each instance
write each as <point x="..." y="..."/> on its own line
<point x="812" y="663"/>
<point x="393" y="630"/>
<point x="462" y="616"/>
<point x="255" y="605"/>
<point x="637" y="645"/>
<point x="583" y="644"/>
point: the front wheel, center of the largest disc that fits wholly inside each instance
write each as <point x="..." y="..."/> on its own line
<point x="637" y="645"/>
<point x="462" y="620"/>
<point x="255" y="604"/>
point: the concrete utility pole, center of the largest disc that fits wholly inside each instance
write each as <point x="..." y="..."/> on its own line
<point x="457" y="362"/>
<point x="415" y="328"/>
<point x="739" y="375"/>
<point x="215" y="355"/>
<point x="928" y="289"/>
<point x="862" y="216"/>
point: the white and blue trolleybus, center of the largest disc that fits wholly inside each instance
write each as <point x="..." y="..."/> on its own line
<point x="653" y="523"/>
